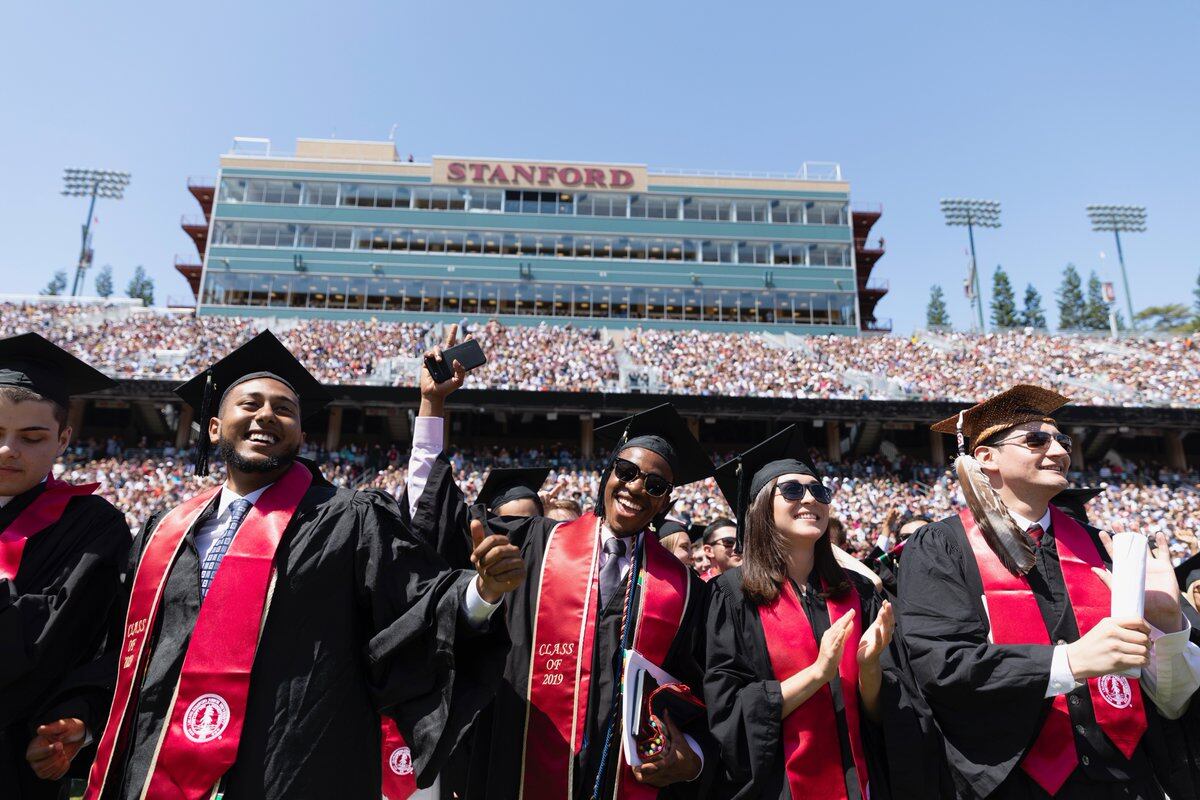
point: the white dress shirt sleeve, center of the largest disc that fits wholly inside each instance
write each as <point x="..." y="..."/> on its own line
<point x="1062" y="680"/>
<point x="427" y="445"/>
<point x="1173" y="674"/>
<point x="478" y="610"/>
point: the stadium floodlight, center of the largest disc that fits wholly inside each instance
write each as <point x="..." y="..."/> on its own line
<point x="973" y="213"/>
<point x="91" y="183"/>
<point x="1120" y="219"/>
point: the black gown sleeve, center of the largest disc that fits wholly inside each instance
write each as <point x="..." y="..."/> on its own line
<point x="987" y="699"/>
<point x="431" y="670"/>
<point x="744" y="708"/>
<point x="41" y="633"/>
<point x="441" y="515"/>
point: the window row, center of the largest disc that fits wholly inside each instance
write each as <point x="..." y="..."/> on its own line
<point x="529" y="299"/>
<point x="517" y="201"/>
<point x="558" y="245"/>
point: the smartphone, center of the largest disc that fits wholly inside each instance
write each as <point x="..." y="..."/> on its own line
<point x="468" y="353"/>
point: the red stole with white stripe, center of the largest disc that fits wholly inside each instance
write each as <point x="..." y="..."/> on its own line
<point x="45" y="510"/>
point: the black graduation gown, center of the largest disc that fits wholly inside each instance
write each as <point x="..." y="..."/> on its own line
<point x="53" y="618"/>
<point x="989" y="700"/>
<point x="495" y="766"/>
<point x="365" y="618"/>
<point x="745" y="702"/>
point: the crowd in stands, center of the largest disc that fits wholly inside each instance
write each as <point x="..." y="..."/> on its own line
<point x="1143" y="497"/>
<point x="928" y="366"/>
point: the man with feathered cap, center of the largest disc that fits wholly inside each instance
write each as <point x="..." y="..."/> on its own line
<point x="1004" y="609"/>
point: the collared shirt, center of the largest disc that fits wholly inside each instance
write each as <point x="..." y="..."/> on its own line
<point x="207" y="531"/>
<point x="630" y="543"/>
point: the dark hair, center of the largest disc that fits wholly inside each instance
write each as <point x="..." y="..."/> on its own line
<point x="19" y="394"/>
<point x="764" y="563"/>
<point x="716" y="525"/>
<point x="565" y="504"/>
<point x="837" y="532"/>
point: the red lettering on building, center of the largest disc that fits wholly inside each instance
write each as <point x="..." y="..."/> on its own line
<point x="593" y="177"/>
<point x="621" y="179"/>
<point x="477" y="171"/>
<point x="546" y="174"/>
<point x="498" y="175"/>
<point x="570" y="176"/>
<point x="522" y="171"/>
<point x="456" y="171"/>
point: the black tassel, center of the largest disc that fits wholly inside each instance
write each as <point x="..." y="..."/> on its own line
<point x="741" y="503"/>
<point x="202" y="445"/>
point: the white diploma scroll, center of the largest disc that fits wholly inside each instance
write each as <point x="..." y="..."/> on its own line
<point x="1129" y="580"/>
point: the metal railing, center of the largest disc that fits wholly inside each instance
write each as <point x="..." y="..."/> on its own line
<point x="194" y="181"/>
<point x="192" y="221"/>
<point x="809" y="171"/>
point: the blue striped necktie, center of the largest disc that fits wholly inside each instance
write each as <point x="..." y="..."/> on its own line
<point x="212" y="559"/>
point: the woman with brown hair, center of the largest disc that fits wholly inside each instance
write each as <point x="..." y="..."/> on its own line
<point x="793" y="679"/>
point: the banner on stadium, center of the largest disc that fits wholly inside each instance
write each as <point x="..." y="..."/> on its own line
<point x="540" y="175"/>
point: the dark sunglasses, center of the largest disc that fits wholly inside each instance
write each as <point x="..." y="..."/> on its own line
<point x="794" y="490"/>
<point x="627" y="472"/>
<point x="1038" y="440"/>
<point x="729" y="543"/>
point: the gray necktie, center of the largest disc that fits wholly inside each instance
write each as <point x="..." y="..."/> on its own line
<point x="610" y="573"/>
<point x="238" y="510"/>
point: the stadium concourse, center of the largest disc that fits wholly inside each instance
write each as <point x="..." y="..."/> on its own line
<point x="134" y="442"/>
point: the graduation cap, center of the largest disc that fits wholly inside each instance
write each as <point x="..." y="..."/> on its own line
<point x="32" y="362"/>
<point x="264" y="356"/>
<point x="1073" y="501"/>
<point x="661" y="430"/>
<point x="505" y="485"/>
<point x="1188" y="572"/>
<point x="1020" y="404"/>
<point x="744" y="476"/>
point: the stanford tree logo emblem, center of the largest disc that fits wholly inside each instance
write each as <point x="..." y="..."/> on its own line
<point x="206" y="718"/>
<point x="1115" y="690"/>
<point x="401" y="761"/>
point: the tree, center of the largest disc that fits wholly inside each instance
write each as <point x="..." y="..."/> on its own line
<point x="57" y="284"/>
<point x="1173" y="317"/>
<point x="1070" y="300"/>
<point x="1196" y="294"/>
<point x="1033" y="316"/>
<point x="141" y="286"/>
<point x="104" y="282"/>
<point x="1095" y="307"/>
<point x="1004" y="302"/>
<point x="936" y="315"/>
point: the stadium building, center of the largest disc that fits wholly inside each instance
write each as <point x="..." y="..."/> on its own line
<point x="347" y="229"/>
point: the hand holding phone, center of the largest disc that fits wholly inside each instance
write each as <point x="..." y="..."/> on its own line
<point x="468" y="353"/>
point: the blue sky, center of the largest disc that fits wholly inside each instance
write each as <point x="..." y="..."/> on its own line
<point x="1046" y="107"/>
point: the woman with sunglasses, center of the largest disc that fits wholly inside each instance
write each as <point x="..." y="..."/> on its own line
<point x="793" y="681"/>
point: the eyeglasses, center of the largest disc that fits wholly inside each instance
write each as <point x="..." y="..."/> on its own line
<point x="728" y="544"/>
<point x="793" y="491"/>
<point x="1037" y="440"/>
<point x="627" y="472"/>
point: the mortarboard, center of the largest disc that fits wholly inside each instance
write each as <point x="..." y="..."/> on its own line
<point x="661" y="430"/>
<point x="1020" y="404"/>
<point x="1188" y="572"/>
<point x="744" y="476"/>
<point x="505" y="485"/>
<point x="264" y="356"/>
<point x="32" y="362"/>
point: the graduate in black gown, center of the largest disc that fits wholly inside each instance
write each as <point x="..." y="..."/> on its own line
<point x="362" y="617"/>
<point x="662" y="454"/>
<point x="808" y="728"/>
<point x="1028" y="712"/>
<point x="59" y="572"/>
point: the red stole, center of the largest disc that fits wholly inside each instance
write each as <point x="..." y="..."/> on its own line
<point x="399" y="780"/>
<point x="812" y="750"/>
<point x="200" y="741"/>
<point x="1015" y="618"/>
<point x="563" y="641"/>
<point x="45" y="510"/>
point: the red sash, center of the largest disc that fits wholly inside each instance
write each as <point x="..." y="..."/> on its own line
<point x="200" y="741"/>
<point x="812" y="751"/>
<point x="45" y="510"/>
<point x="1015" y="618"/>
<point x="563" y="641"/>
<point x="399" y="780"/>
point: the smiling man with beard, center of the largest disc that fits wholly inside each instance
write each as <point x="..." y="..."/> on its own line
<point x="270" y="621"/>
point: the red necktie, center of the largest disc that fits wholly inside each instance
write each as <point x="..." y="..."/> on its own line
<point x="1035" y="532"/>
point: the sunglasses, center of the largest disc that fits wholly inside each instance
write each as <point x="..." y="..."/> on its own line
<point x="729" y="544"/>
<point x="1038" y="440"/>
<point x="793" y="491"/>
<point x="627" y="472"/>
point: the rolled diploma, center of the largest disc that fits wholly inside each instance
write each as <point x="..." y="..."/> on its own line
<point x="1129" y="580"/>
